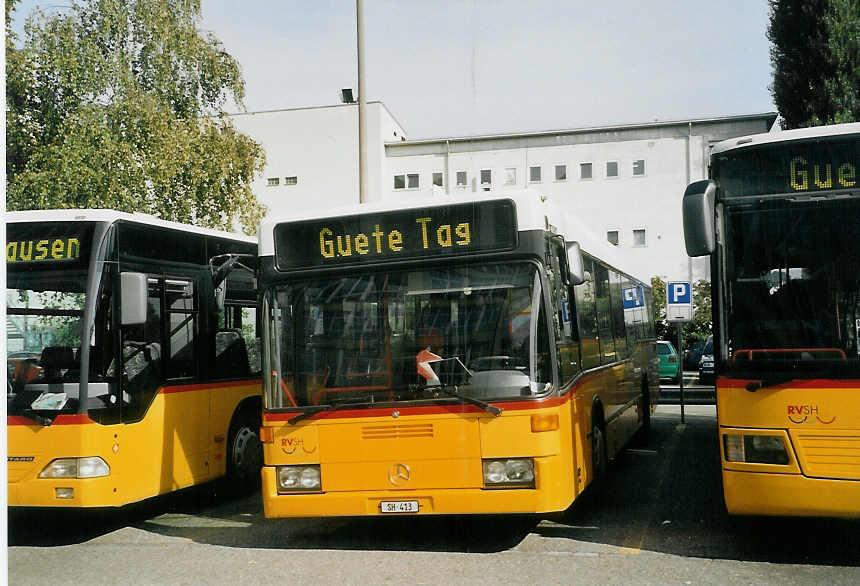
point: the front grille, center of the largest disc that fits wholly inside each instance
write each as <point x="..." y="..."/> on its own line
<point x="397" y="431"/>
<point x="830" y="455"/>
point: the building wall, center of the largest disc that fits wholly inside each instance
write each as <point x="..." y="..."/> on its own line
<point x="650" y="201"/>
<point x="319" y="147"/>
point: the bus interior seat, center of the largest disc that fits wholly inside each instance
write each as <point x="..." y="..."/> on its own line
<point x="57" y="359"/>
<point x="231" y="354"/>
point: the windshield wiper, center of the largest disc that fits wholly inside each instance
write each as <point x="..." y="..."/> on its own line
<point x="311" y="411"/>
<point x="451" y="391"/>
<point x="43" y="420"/>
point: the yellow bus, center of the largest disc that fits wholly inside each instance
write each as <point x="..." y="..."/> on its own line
<point x="132" y="358"/>
<point x="780" y="219"/>
<point x="448" y="356"/>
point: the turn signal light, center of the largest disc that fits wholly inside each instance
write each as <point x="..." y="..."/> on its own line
<point x="267" y="435"/>
<point x="544" y="422"/>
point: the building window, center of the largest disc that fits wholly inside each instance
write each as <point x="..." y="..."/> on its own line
<point x="291" y="180"/>
<point x="612" y="168"/>
<point x="400" y="182"/>
<point x="639" y="238"/>
<point x="561" y="172"/>
<point x="461" y="179"/>
<point x="437" y="179"/>
<point x="534" y="175"/>
<point x="639" y="167"/>
<point x="273" y="181"/>
<point x="510" y="176"/>
<point x="486" y="177"/>
<point x="612" y="236"/>
<point x="585" y="170"/>
<point x="412" y="181"/>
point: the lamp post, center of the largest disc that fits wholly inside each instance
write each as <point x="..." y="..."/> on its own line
<point x="362" y="102"/>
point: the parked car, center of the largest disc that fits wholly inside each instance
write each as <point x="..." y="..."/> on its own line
<point x="670" y="366"/>
<point x="706" y="364"/>
<point x="693" y="355"/>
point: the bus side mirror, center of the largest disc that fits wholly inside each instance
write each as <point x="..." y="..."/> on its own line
<point x="575" y="266"/>
<point x="133" y="292"/>
<point x="698" y="211"/>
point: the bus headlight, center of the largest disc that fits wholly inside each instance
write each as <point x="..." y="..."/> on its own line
<point x="509" y="472"/>
<point x="91" y="467"/>
<point x="755" y="449"/>
<point x="299" y="478"/>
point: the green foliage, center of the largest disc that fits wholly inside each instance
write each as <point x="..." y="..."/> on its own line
<point x="843" y="86"/>
<point x="118" y="104"/>
<point x="815" y="55"/>
<point x="658" y="290"/>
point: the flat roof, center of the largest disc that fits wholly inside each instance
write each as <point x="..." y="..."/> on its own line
<point x="768" y="117"/>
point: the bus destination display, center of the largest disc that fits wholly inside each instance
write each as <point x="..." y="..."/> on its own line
<point x="46" y="243"/>
<point x="399" y="234"/>
<point x="795" y="167"/>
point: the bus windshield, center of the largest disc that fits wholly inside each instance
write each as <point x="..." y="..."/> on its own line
<point x="410" y="336"/>
<point x="793" y="287"/>
<point x="43" y="331"/>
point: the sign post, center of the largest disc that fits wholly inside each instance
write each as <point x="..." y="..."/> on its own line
<point x="679" y="310"/>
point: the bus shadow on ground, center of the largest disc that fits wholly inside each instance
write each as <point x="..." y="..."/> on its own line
<point x="241" y="524"/>
<point x="662" y="496"/>
<point x="667" y="498"/>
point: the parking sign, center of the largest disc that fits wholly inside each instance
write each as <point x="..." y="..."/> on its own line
<point x="679" y="301"/>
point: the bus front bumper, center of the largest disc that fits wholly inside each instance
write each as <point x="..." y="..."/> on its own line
<point x="63" y="493"/>
<point x="464" y="501"/>
<point x="753" y="493"/>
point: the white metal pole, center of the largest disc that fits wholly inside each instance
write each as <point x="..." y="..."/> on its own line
<point x="362" y="102"/>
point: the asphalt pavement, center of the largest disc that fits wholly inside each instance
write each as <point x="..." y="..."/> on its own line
<point x="660" y="520"/>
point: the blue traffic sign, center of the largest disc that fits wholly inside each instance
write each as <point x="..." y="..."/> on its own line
<point x="678" y="293"/>
<point x="633" y="297"/>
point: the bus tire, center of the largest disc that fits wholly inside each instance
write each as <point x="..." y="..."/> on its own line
<point x="599" y="459"/>
<point x="244" y="452"/>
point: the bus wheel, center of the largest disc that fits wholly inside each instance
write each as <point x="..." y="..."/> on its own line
<point x="598" y="456"/>
<point x="244" y="453"/>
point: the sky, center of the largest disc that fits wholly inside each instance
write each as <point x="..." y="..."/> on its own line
<point x="472" y="67"/>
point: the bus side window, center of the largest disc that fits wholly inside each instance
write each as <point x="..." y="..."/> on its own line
<point x="604" y="317"/>
<point x="237" y="343"/>
<point x="182" y="316"/>
<point x="619" y="329"/>
<point x="567" y="339"/>
<point x="587" y="318"/>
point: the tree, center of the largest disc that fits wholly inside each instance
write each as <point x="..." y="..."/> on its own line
<point x="815" y="55"/>
<point x="119" y="104"/>
<point x="658" y="290"/>
<point x="843" y="87"/>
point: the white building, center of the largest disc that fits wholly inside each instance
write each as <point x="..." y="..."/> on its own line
<point x="624" y="181"/>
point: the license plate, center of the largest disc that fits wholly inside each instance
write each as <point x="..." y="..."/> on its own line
<point x="398" y="506"/>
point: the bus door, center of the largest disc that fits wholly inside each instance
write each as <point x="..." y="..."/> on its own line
<point x="168" y="413"/>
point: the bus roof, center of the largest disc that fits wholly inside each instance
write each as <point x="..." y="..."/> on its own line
<point x="111" y="216"/>
<point x="785" y="136"/>
<point x="534" y="211"/>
